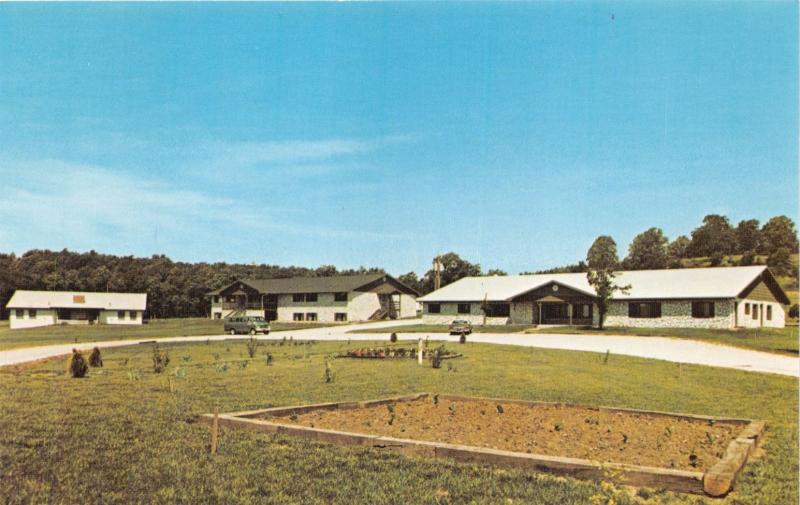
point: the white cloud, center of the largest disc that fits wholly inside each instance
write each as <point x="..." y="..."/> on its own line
<point x="298" y="157"/>
<point x="53" y="203"/>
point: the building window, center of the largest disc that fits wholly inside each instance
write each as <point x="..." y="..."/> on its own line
<point x="20" y="313"/>
<point x="498" y="310"/>
<point x="298" y="316"/>
<point x="769" y="312"/>
<point x="298" y="297"/>
<point x="644" y="309"/>
<point x="340" y="297"/>
<point x="311" y="316"/>
<point x="311" y="297"/>
<point x="132" y="314"/>
<point x="755" y="311"/>
<point x="120" y="314"/>
<point x="434" y="308"/>
<point x="464" y="308"/>
<point x="32" y="313"/>
<point x="340" y="316"/>
<point x="746" y="309"/>
<point x="703" y="309"/>
<point x="582" y="310"/>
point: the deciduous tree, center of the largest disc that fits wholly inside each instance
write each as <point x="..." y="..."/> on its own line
<point x="715" y="235"/>
<point x="648" y="251"/>
<point x="776" y="233"/>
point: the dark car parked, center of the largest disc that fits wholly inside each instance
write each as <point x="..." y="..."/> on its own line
<point x="460" y="326"/>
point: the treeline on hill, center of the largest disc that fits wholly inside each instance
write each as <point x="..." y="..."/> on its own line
<point x="714" y="243"/>
<point x="174" y="289"/>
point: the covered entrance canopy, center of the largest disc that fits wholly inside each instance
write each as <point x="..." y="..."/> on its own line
<point x="555" y="303"/>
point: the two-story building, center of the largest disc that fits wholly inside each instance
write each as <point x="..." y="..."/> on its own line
<point x="317" y="299"/>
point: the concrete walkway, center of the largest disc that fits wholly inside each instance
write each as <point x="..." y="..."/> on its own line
<point x="677" y="350"/>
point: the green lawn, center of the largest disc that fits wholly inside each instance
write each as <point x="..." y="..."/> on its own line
<point x="443" y="328"/>
<point x="112" y="438"/>
<point x="48" y="335"/>
<point x="777" y="340"/>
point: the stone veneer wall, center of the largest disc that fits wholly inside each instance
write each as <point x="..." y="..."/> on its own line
<point x="674" y="314"/>
<point x="450" y="312"/>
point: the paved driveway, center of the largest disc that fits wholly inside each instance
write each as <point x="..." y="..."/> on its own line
<point x="670" y="349"/>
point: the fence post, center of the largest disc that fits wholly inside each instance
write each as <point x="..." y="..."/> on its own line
<point x="214" y="430"/>
<point x="419" y="352"/>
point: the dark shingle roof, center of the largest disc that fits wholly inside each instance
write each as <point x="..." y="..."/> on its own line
<point x="334" y="284"/>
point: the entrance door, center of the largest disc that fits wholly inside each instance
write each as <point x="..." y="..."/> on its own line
<point x="555" y="313"/>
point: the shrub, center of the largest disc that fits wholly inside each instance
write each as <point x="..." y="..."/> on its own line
<point x="328" y="372"/>
<point x="436" y="359"/>
<point x="160" y="359"/>
<point x="393" y="337"/>
<point x="252" y="347"/>
<point x="77" y="365"/>
<point x="793" y="311"/>
<point x="268" y="359"/>
<point x="463" y="338"/>
<point x="95" y="359"/>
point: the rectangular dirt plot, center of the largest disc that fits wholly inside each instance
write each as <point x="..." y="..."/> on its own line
<point x="684" y="453"/>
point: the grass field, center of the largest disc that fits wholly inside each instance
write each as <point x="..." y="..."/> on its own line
<point x="48" y="335"/>
<point x="443" y="328"/>
<point x="778" y="340"/>
<point x="128" y="435"/>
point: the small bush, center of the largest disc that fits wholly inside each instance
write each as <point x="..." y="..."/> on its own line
<point x="794" y="311"/>
<point x="77" y="365"/>
<point x="268" y="359"/>
<point x="436" y="357"/>
<point x="95" y="360"/>
<point x="328" y="372"/>
<point x="393" y="337"/>
<point x="160" y="359"/>
<point x="463" y="338"/>
<point x="252" y="347"/>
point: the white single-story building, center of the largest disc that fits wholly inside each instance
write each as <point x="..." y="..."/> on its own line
<point x="28" y="309"/>
<point x="725" y="297"/>
<point x="316" y="299"/>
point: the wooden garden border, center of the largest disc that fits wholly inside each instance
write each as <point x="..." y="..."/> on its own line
<point x="717" y="481"/>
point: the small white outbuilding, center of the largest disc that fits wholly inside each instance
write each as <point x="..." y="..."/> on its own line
<point x="28" y="309"/>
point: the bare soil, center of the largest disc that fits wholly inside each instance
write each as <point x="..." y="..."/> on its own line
<point x="554" y="430"/>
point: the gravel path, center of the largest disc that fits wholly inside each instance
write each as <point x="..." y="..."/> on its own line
<point x="669" y="349"/>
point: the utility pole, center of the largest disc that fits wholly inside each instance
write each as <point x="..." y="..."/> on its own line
<point x="437" y="273"/>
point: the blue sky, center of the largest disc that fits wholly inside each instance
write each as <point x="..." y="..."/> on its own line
<point x="379" y="134"/>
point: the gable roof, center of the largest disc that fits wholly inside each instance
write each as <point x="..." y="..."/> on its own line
<point x="720" y="282"/>
<point x="23" y="299"/>
<point x="332" y="284"/>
